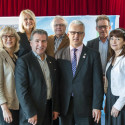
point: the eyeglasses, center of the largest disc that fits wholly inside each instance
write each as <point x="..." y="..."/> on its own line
<point x="61" y="25"/>
<point x="73" y="33"/>
<point x="104" y="27"/>
<point x="6" y="37"/>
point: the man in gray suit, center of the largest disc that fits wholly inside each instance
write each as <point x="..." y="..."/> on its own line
<point x="101" y="43"/>
<point x="81" y="84"/>
<point x="36" y="83"/>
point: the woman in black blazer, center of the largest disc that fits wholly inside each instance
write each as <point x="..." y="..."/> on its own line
<point x="27" y="23"/>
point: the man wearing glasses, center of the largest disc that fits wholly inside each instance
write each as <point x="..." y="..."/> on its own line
<point x="80" y="81"/>
<point x="101" y="43"/>
<point x="59" y="40"/>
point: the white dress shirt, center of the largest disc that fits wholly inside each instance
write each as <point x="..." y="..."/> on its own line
<point x="46" y="73"/>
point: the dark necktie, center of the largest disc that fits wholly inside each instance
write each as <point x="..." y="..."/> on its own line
<point x="74" y="62"/>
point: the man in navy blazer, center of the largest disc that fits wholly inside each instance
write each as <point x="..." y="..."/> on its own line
<point x="36" y="83"/>
<point x="101" y="43"/>
<point x="80" y="90"/>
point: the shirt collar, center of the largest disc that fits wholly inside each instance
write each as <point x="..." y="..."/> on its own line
<point x="39" y="56"/>
<point x="105" y="41"/>
<point x="59" y="37"/>
<point x="78" y="48"/>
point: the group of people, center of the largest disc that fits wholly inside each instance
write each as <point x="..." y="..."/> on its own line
<point x="43" y="78"/>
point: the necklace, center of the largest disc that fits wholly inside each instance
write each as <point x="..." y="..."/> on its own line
<point x="118" y="52"/>
<point x="12" y="57"/>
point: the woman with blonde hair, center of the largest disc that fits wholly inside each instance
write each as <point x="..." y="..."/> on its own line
<point x="9" y="105"/>
<point x="115" y="79"/>
<point x="27" y="23"/>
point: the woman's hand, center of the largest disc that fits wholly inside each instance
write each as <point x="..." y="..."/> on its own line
<point x="114" y="112"/>
<point x="6" y="113"/>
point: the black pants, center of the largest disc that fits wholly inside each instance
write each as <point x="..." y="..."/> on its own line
<point x="56" y="122"/>
<point x="48" y="113"/>
<point x="72" y="119"/>
<point x="15" y="115"/>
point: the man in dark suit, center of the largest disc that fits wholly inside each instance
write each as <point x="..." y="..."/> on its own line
<point x="101" y="43"/>
<point x="60" y="39"/>
<point x="36" y="78"/>
<point x="81" y="84"/>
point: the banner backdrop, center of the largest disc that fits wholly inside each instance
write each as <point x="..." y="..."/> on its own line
<point x="44" y="22"/>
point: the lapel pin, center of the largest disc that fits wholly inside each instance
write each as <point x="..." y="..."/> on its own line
<point x="84" y="55"/>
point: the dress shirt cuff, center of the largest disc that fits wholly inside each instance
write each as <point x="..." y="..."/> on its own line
<point x="119" y="104"/>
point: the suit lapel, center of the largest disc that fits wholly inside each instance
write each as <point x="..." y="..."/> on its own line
<point x="81" y="60"/>
<point x="52" y="44"/>
<point x="67" y="54"/>
<point x="63" y="43"/>
<point x="97" y="44"/>
<point x="9" y="60"/>
<point x="38" y="67"/>
<point x="50" y="65"/>
<point x="117" y="61"/>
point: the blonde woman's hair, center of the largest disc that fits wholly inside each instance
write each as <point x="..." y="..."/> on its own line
<point x="9" y="30"/>
<point x="21" y="19"/>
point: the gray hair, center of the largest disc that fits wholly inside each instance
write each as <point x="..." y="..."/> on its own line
<point x="38" y="31"/>
<point x="58" y="17"/>
<point x="76" y="22"/>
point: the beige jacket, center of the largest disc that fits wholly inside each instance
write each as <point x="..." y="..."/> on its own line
<point x="7" y="82"/>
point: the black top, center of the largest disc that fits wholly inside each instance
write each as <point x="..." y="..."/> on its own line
<point x="24" y="45"/>
<point x="110" y="101"/>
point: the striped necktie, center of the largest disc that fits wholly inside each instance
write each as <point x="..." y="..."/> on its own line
<point x="74" y="61"/>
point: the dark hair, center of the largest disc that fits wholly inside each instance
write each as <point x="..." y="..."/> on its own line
<point x="119" y="32"/>
<point x="102" y="17"/>
<point x="38" y="31"/>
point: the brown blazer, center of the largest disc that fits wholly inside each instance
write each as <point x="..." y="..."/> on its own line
<point x="50" y="46"/>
